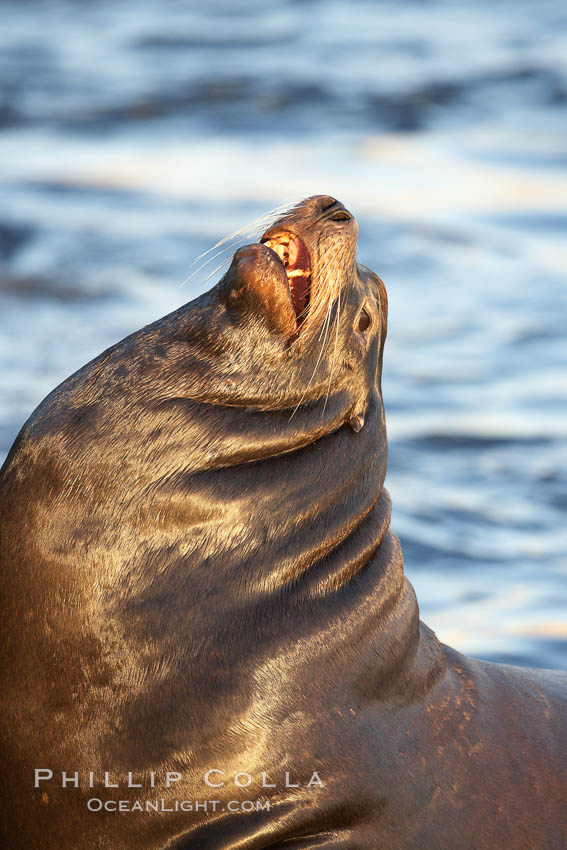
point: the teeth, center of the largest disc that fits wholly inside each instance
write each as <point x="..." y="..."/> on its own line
<point x="280" y="248"/>
<point x="287" y="250"/>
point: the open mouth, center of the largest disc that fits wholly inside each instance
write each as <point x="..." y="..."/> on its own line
<point x="297" y="264"/>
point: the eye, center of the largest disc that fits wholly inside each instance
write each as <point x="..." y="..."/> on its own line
<point x="363" y="321"/>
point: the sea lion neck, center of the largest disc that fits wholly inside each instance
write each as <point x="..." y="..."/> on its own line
<point x="297" y="543"/>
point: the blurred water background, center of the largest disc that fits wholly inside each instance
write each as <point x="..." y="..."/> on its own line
<point x="134" y="135"/>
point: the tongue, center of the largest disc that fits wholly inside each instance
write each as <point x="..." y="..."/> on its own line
<point x="299" y="280"/>
<point x="293" y="253"/>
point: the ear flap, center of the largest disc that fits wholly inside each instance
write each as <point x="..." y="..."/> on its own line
<point x="383" y="304"/>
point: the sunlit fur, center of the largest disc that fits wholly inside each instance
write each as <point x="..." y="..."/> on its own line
<point x="198" y="571"/>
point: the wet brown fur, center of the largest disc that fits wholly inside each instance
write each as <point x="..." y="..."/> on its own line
<point x="198" y="572"/>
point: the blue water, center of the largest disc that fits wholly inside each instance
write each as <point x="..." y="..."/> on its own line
<point x="134" y="135"/>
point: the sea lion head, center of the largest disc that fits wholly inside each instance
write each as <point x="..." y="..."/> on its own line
<point x="301" y="297"/>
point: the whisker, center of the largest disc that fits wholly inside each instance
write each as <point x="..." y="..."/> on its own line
<point x="196" y="271"/>
<point x="228" y="243"/>
<point x="327" y="322"/>
<point x="335" y="347"/>
<point x="246" y="228"/>
<point x="214" y="272"/>
<point x="325" y="325"/>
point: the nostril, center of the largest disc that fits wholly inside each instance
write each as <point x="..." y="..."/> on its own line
<point x="326" y="202"/>
<point x="341" y="215"/>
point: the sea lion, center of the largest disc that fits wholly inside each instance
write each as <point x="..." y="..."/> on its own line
<point x="203" y="597"/>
